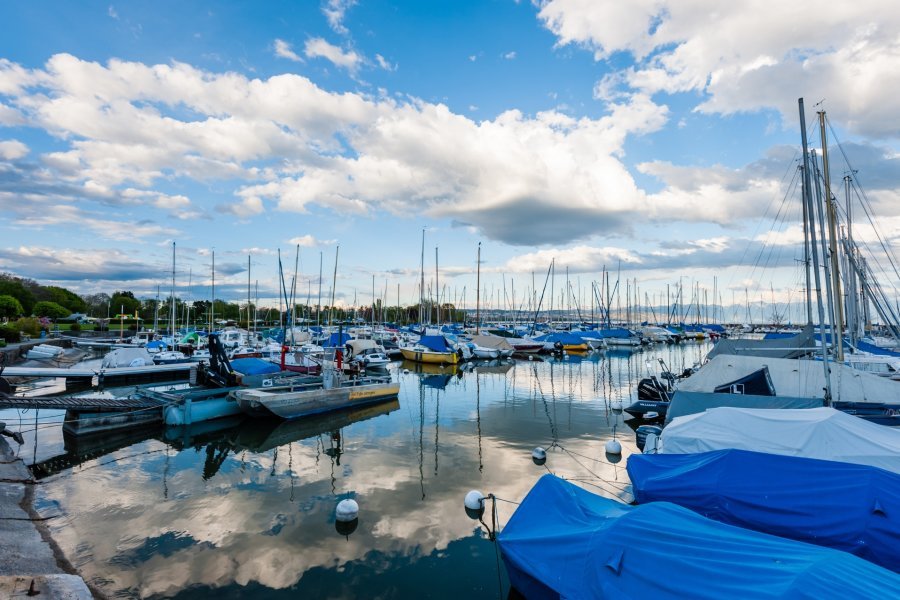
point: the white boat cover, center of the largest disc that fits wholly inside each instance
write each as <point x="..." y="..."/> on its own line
<point x="795" y="378"/>
<point x="127" y="357"/>
<point x="494" y="342"/>
<point x="822" y="433"/>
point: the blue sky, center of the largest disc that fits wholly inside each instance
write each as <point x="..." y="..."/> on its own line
<point x="655" y="135"/>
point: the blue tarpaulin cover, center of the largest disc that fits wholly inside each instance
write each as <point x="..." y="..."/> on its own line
<point x="566" y="339"/>
<point x="565" y="542"/>
<point x="254" y="366"/>
<point x="436" y="343"/>
<point x="855" y="508"/>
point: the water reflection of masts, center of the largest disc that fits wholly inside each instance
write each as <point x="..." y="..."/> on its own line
<point x="537" y="380"/>
<point x="437" y="414"/>
<point x="478" y="418"/>
<point x="334" y="451"/>
<point x="422" y="437"/>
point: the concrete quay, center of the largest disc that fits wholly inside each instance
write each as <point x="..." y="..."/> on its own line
<point x="31" y="565"/>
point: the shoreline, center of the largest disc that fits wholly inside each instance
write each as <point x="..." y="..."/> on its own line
<point x="28" y="553"/>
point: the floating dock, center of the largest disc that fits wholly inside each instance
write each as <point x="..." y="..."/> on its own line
<point x="118" y="375"/>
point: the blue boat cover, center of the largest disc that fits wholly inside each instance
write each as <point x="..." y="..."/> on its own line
<point x="566" y="339"/>
<point x="855" y="508"/>
<point x="435" y="343"/>
<point x="254" y="366"/>
<point x="565" y="542"/>
<point x="873" y="349"/>
<point x="616" y="333"/>
<point x="337" y="340"/>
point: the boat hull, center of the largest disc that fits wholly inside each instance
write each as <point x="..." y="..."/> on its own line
<point x="436" y="358"/>
<point x="294" y="405"/>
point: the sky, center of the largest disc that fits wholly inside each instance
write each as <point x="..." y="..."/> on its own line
<point x="655" y="139"/>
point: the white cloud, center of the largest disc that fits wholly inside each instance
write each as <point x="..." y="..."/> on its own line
<point x="384" y="64"/>
<point x="284" y="50"/>
<point x="308" y="241"/>
<point x="111" y="11"/>
<point x="510" y="55"/>
<point x="12" y="149"/>
<point x="749" y="55"/>
<point x="319" y="48"/>
<point x="334" y="11"/>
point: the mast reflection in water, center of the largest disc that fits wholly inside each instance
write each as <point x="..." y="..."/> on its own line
<point x="246" y="508"/>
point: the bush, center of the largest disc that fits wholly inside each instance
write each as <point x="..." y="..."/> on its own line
<point x="29" y="325"/>
<point x="76" y="326"/>
<point x="10" y="334"/>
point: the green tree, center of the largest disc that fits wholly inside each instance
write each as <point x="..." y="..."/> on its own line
<point x="51" y="310"/>
<point x="63" y="297"/>
<point x="97" y="304"/>
<point x="10" y="307"/>
<point x="124" y="303"/>
<point x="10" y="285"/>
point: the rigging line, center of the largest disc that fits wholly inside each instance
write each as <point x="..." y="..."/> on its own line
<point x="589" y="457"/>
<point x="872" y="255"/>
<point x="583" y="466"/>
<point x="766" y="244"/>
<point x="867" y="206"/>
<point x="761" y="219"/>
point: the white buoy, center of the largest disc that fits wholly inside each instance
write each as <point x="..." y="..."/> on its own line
<point x="346" y="510"/>
<point x="530" y="357"/>
<point x="613" y="447"/>
<point x="406" y="371"/>
<point x="474" y="500"/>
<point x="616" y="405"/>
<point x="539" y="454"/>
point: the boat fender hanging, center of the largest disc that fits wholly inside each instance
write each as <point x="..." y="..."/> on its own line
<point x="474" y="503"/>
<point x="613" y="447"/>
<point x="539" y="456"/>
<point x="617" y="405"/>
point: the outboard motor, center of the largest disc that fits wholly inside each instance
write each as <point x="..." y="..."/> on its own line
<point x="651" y="388"/>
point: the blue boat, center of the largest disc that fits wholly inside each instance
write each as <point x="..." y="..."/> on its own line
<point x="854" y="508"/>
<point x="565" y="542"/>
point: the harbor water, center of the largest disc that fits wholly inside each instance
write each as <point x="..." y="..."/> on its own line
<point x="242" y="508"/>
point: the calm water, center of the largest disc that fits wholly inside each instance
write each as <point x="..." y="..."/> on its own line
<point x="237" y="508"/>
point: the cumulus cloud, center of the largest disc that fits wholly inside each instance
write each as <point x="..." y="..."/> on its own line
<point x="12" y="149"/>
<point x="319" y="48"/>
<point x="749" y="56"/>
<point x="286" y="144"/>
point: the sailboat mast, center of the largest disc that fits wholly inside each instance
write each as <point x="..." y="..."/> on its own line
<point x="337" y="250"/>
<point x="437" y="287"/>
<point x="319" y="304"/>
<point x="172" y="310"/>
<point x="422" y="283"/>
<point x="248" y="292"/>
<point x="478" y="291"/>
<point x="212" y="306"/>
<point x="807" y="195"/>
<point x="838" y="331"/>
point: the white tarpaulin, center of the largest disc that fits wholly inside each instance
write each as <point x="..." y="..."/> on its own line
<point x="796" y="378"/>
<point x="823" y="433"/>
<point x="127" y="357"/>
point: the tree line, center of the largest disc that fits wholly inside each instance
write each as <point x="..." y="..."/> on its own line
<point x="23" y="298"/>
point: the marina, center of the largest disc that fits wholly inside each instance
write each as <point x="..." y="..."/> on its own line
<point x="518" y="300"/>
<point x="194" y="499"/>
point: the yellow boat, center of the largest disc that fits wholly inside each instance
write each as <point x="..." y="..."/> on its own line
<point x="424" y="355"/>
<point x="576" y="348"/>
